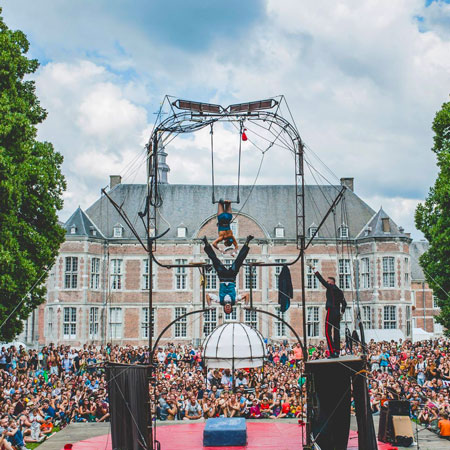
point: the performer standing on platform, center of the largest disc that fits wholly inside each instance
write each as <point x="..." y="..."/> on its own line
<point x="335" y="306"/>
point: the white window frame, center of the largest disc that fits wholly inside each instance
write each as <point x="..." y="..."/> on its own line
<point x="209" y="321"/>
<point x="435" y="303"/>
<point x="345" y="274"/>
<point x="277" y="271"/>
<point x="389" y="317"/>
<point x="70" y="322"/>
<point x="116" y="274"/>
<point x="279" y="232"/>
<point x="234" y="227"/>
<point x="408" y="314"/>
<point x="146" y="275"/>
<point x="180" y="275"/>
<point x="365" y="273"/>
<point x="180" y="330"/>
<point x="181" y="232"/>
<point x="144" y="322"/>
<point x="251" y="318"/>
<point x="388" y="268"/>
<point x="406" y="277"/>
<point x="71" y="272"/>
<point x="312" y="283"/>
<point x="313" y="321"/>
<point x="230" y="317"/>
<point x="280" y="327"/>
<point x="211" y="280"/>
<point x="311" y="231"/>
<point x="116" y="322"/>
<point x="50" y="321"/>
<point x="94" y="323"/>
<point x="95" y="273"/>
<point x="255" y="278"/>
<point x="366" y="317"/>
<point x="347" y="318"/>
<point x="118" y="231"/>
<point x="344" y="231"/>
<point x="73" y="229"/>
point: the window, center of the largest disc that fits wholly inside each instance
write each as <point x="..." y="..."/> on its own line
<point x="388" y="271"/>
<point x="311" y="230"/>
<point x="145" y="325"/>
<point x="118" y="231"/>
<point x="231" y="317"/>
<point x="435" y="302"/>
<point x="312" y="321"/>
<point x="279" y="231"/>
<point x="408" y="320"/>
<point x="234" y="228"/>
<point x="406" y="271"/>
<point x="251" y="319"/>
<point x="343" y="231"/>
<point x="180" y="275"/>
<point x="253" y="275"/>
<point x="93" y="323"/>
<point x="73" y="229"/>
<point x="181" y="231"/>
<point x="70" y="323"/>
<point x="344" y="274"/>
<point x="347" y="318"/>
<point x="366" y="317"/>
<point x="209" y="321"/>
<point x="95" y="273"/>
<point x="116" y="274"/>
<point x="180" y="325"/>
<point x="390" y="317"/>
<point x="115" y="323"/>
<point x="71" y="273"/>
<point x="145" y="274"/>
<point x="278" y="271"/>
<point x="280" y="327"/>
<point x="311" y="280"/>
<point x="211" y="278"/>
<point x="50" y="319"/>
<point x="365" y="273"/>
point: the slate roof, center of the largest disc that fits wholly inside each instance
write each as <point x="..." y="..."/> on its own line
<point x="268" y="205"/>
<point x="416" y="249"/>
<point x="375" y="227"/>
<point x="84" y="226"/>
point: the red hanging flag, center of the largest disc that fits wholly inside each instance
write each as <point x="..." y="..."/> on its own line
<point x="244" y="136"/>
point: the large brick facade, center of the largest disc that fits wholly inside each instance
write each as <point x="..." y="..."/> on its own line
<point x="97" y="290"/>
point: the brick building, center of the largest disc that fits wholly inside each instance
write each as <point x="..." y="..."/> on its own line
<point x="98" y="288"/>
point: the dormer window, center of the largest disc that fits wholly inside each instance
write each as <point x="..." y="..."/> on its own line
<point x="93" y="231"/>
<point x="181" y="231"/>
<point x="367" y="231"/>
<point x="118" y="231"/>
<point x="279" y="231"/>
<point x="312" y="230"/>
<point x="343" y="231"/>
<point x="73" y="229"/>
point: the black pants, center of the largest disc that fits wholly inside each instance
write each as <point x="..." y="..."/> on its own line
<point x="224" y="273"/>
<point x="332" y="330"/>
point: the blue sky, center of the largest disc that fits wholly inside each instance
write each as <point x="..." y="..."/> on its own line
<point x="363" y="79"/>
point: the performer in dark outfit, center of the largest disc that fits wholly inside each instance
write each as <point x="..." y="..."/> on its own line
<point x="227" y="275"/>
<point x="335" y="306"/>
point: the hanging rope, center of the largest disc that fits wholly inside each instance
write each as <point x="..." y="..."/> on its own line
<point x="211" y="133"/>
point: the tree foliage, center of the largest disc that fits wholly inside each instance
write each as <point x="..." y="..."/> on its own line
<point x="433" y="219"/>
<point x="31" y="187"/>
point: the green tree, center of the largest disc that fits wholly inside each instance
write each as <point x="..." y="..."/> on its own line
<point x="31" y="188"/>
<point x="433" y="219"/>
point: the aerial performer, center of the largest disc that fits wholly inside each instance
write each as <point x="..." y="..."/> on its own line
<point x="335" y="306"/>
<point x="227" y="277"/>
<point x="224" y="218"/>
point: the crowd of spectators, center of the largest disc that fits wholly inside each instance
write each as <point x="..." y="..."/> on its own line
<point x="44" y="390"/>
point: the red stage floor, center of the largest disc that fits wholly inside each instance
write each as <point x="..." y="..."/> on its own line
<point x="262" y="436"/>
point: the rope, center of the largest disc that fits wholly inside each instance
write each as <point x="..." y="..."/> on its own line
<point x="212" y="162"/>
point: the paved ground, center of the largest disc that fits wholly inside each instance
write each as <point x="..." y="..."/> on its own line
<point x="79" y="431"/>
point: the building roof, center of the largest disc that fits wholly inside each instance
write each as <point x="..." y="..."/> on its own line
<point x="375" y="227"/>
<point x="267" y="205"/>
<point x="416" y="249"/>
<point x="81" y="223"/>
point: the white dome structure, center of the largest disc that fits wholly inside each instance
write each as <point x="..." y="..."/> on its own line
<point x="234" y="345"/>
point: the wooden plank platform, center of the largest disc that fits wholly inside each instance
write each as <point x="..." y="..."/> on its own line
<point x="342" y="359"/>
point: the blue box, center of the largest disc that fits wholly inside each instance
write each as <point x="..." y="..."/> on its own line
<point x="225" y="432"/>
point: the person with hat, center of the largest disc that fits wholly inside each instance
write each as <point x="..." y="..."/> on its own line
<point x="227" y="277"/>
<point x="224" y="219"/>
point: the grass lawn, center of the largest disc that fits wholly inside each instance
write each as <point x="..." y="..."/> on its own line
<point x="31" y="445"/>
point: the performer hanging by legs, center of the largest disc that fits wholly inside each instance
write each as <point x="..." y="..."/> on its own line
<point x="227" y="276"/>
<point x="335" y="306"/>
<point x="224" y="218"/>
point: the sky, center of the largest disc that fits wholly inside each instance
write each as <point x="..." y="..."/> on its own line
<point x="363" y="80"/>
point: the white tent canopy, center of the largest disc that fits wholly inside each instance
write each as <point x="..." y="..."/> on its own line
<point x="234" y="345"/>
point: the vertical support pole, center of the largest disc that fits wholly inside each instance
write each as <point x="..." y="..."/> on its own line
<point x="251" y="285"/>
<point x="203" y="283"/>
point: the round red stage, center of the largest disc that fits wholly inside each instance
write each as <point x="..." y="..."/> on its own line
<point x="261" y="435"/>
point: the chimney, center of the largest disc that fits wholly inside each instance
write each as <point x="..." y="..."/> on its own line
<point x="386" y="225"/>
<point x="114" y="180"/>
<point x="347" y="182"/>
